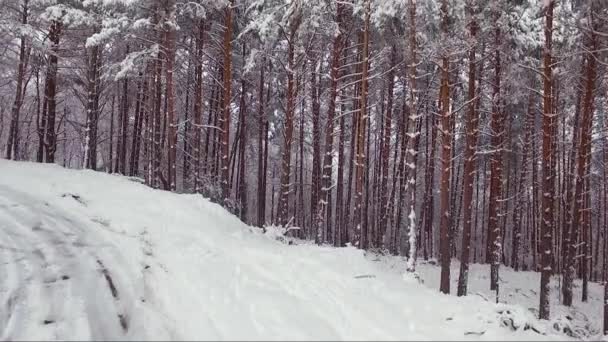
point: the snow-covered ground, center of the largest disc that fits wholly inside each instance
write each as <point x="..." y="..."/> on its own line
<point x="86" y="255"/>
<point x="582" y="320"/>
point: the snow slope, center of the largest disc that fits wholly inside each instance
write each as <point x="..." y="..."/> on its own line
<point x="86" y="255"/>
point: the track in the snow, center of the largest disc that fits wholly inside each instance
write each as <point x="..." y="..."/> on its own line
<point x="53" y="277"/>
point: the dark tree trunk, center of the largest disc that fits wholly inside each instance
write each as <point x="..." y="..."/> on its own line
<point x="548" y="188"/>
<point x="261" y="194"/>
<point x="446" y="155"/>
<point x="469" y="160"/>
<point x="50" y="139"/>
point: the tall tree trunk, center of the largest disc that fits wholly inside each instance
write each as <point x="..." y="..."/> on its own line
<point x="265" y="173"/>
<point x="362" y="118"/>
<point x="148" y="110"/>
<point x="90" y="155"/>
<point x="446" y="156"/>
<point x="41" y="119"/>
<point x="261" y="198"/>
<point x="342" y="231"/>
<point x="386" y="145"/>
<point x="187" y="142"/>
<point x="497" y="129"/>
<point x="169" y="47"/>
<point x="569" y="232"/>
<point x="285" y="187"/>
<point x="548" y="186"/>
<point x="582" y="208"/>
<point x="157" y="154"/>
<point x="429" y="204"/>
<point x="242" y="189"/>
<point x="198" y="105"/>
<point x="469" y="157"/>
<point x="522" y="197"/>
<point x="12" y="146"/>
<point x="136" y="126"/>
<point x="142" y="117"/>
<point x="300" y="199"/>
<point x="225" y="122"/>
<point x="111" y="141"/>
<point x="50" y="139"/>
<point x="316" y="141"/>
<point x="323" y="215"/>
<point x="413" y="134"/>
<point x="121" y="165"/>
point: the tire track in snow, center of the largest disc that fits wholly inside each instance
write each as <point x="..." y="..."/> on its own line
<point x="13" y="271"/>
<point x="61" y="268"/>
<point x="42" y="297"/>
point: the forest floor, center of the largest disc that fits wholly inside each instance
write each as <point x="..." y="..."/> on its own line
<point x="86" y="255"/>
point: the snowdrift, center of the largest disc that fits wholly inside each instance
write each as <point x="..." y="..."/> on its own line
<point x="87" y="255"/>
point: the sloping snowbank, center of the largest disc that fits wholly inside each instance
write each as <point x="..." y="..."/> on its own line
<point x="181" y="267"/>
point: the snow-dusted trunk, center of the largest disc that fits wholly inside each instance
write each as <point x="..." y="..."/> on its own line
<point x="386" y="148"/>
<point x="137" y="125"/>
<point x="242" y="179"/>
<point x="413" y="133"/>
<point x="300" y="211"/>
<point x="581" y="208"/>
<point x="198" y="104"/>
<point x="90" y="140"/>
<point x="50" y="136"/>
<point x="446" y="156"/>
<point x="496" y="191"/>
<point x="285" y="187"/>
<point x="141" y="120"/>
<point x="518" y="212"/>
<point x="570" y="233"/>
<point x="341" y="230"/>
<point x="316" y="140"/>
<point x="111" y="137"/>
<point x="187" y="141"/>
<point x="261" y="191"/>
<point x="400" y="180"/>
<point x="225" y="121"/>
<point x="157" y="153"/>
<point x="471" y="127"/>
<point x="548" y="175"/>
<point x="12" y="146"/>
<point x="428" y="204"/>
<point x="147" y="109"/>
<point x="121" y="147"/>
<point x="41" y="121"/>
<point x="209" y="165"/>
<point x="169" y="49"/>
<point x="354" y="99"/>
<point x="323" y="215"/>
<point x="362" y="117"/>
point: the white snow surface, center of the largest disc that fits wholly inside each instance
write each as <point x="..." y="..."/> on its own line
<point x="184" y="268"/>
<point x="583" y="320"/>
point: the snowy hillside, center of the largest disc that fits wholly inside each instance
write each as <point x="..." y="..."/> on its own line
<point x="86" y="255"/>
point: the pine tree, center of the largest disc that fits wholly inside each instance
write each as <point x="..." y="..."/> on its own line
<point x="548" y="173"/>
